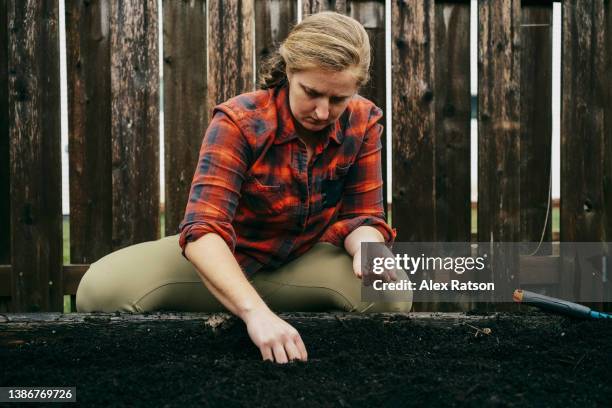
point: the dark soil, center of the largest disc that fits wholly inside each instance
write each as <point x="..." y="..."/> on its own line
<point x="527" y="360"/>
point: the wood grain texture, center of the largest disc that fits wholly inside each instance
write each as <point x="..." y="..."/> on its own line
<point x="316" y="6"/>
<point x="34" y="132"/>
<point x="584" y="83"/>
<point x="499" y="135"/>
<point x="273" y="21"/>
<point x="89" y="124"/>
<point x="536" y="125"/>
<point x="230" y="49"/>
<point x="608" y="127"/>
<point x="586" y="197"/>
<point x="5" y="209"/>
<point x="498" y="121"/>
<point x="452" y="115"/>
<point x="185" y="93"/>
<point x="413" y="119"/>
<point x="135" y="122"/>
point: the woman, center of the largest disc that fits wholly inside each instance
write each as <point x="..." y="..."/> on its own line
<point x="288" y="185"/>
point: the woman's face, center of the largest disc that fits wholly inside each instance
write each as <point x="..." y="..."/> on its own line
<point x="318" y="97"/>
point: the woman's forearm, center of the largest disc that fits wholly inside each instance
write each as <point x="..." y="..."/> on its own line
<point x="222" y="275"/>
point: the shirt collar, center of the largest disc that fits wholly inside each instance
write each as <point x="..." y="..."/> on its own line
<point x="286" y="125"/>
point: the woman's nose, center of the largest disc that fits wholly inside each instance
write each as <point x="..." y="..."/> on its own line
<point x="322" y="110"/>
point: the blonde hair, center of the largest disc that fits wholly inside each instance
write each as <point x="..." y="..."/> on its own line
<point x="326" y="40"/>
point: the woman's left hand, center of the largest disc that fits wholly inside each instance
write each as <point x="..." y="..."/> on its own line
<point x="367" y="272"/>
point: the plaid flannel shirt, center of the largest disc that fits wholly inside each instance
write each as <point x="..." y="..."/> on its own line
<point x="254" y="187"/>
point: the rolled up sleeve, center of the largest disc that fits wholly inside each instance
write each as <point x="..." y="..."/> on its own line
<point x="215" y="189"/>
<point x="362" y="200"/>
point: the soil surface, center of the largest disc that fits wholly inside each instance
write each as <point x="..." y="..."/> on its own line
<point x="528" y="359"/>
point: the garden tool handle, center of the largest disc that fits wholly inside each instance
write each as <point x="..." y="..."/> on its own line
<point x="551" y="304"/>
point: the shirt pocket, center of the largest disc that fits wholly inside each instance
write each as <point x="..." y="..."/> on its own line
<point x="333" y="186"/>
<point x="262" y="198"/>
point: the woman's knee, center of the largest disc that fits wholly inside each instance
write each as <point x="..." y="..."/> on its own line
<point x="107" y="287"/>
<point x="118" y="280"/>
<point x="95" y="292"/>
<point x="327" y="272"/>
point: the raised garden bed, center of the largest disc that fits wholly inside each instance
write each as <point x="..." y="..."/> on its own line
<point x="418" y="359"/>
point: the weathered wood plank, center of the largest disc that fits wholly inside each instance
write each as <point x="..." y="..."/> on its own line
<point x="273" y="20"/>
<point x="135" y="122"/>
<point x="316" y="6"/>
<point x="34" y="132"/>
<point x="608" y="130"/>
<point x="452" y="114"/>
<point x="230" y="49"/>
<point x="413" y="119"/>
<point x="498" y="121"/>
<point x="451" y="138"/>
<point x="582" y="121"/>
<point x="586" y="200"/>
<point x="413" y="45"/>
<point x="499" y="134"/>
<point x="536" y="124"/>
<point x="5" y="210"/>
<point x="72" y="277"/>
<point x="185" y="110"/>
<point x="21" y="321"/>
<point x="89" y="124"/>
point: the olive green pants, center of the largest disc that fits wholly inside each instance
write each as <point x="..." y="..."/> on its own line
<point x="155" y="276"/>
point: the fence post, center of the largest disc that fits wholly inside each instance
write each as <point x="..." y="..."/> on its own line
<point x="536" y="124"/>
<point x="272" y="27"/>
<point x="5" y="209"/>
<point x="499" y="135"/>
<point x="586" y="142"/>
<point x="135" y="121"/>
<point x="453" y="117"/>
<point x="89" y="125"/>
<point x="413" y="119"/>
<point x="185" y="110"/>
<point x="230" y="49"/>
<point x="316" y="6"/>
<point x="34" y="133"/>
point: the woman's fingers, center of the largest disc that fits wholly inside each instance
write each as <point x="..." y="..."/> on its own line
<point x="276" y="339"/>
<point x="292" y="351"/>
<point x="279" y="353"/>
<point x="301" y="348"/>
<point x="266" y="353"/>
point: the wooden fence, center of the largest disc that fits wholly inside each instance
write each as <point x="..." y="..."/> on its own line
<point x="114" y="105"/>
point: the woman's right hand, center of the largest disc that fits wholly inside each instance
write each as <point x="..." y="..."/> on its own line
<point x="276" y="339"/>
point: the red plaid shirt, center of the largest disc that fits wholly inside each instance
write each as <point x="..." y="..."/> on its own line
<point x="254" y="187"/>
